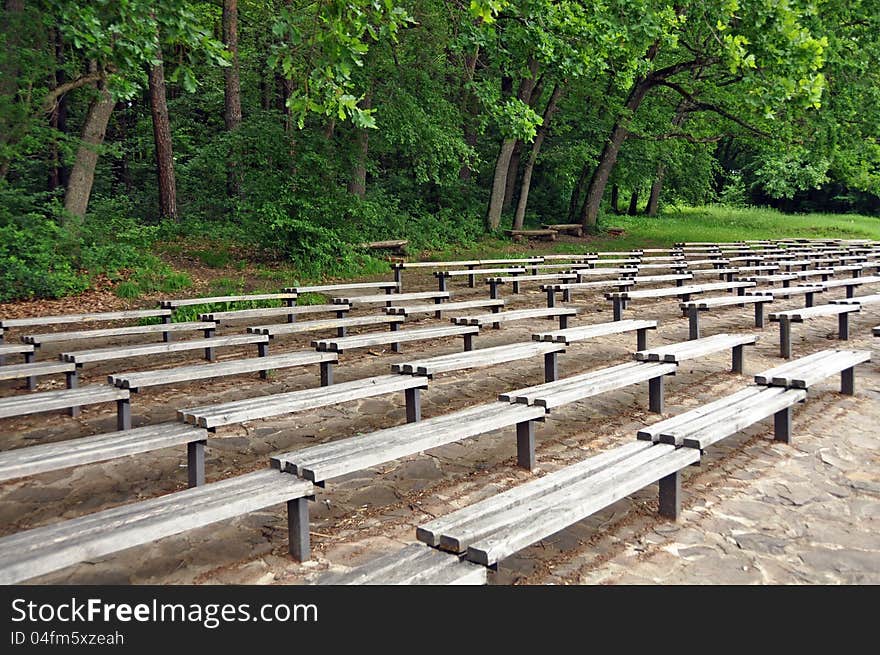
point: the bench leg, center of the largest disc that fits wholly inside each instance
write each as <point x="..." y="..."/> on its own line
<point x="655" y="394"/>
<point x="693" y="322"/>
<point x="516" y="286"/>
<point x="438" y="301"/>
<point x="642" y="339"/>
<point x="441" y="283"/>
<point x="809" y="299"/>
<point x="784" y="337"/>
<point x="525" y="445"/>
<point x="72" y="383"/>
<point x="551" y="367"/>
<point x="472" y="281"/>
<point x="618" y="309"/>
<point x="291" y="318"/>
<point x="166" y="336"/>
<point x="782" y="425"/>
<point x="326" y="374"/>
<point x="32" y="380"/>
<point x="413" y="405"/>
<point x="468" y="342"/>
<point x="759" y="314"/>
<point x="195" y="463"/>
<point x="850" y="291"/>
<point x="563" y="322"/>
<point x="737" y="364"/>
<point x="123" y="414"/>
<point x="395" y="347"/>
<point x="209" y="352"/>
<point x="566" y="295"/>
<point x="670" y="496"/>
<point x="848" y="381"/>
<point x="843" y="327"/>
<point x="493" y="291"/>
<point x="298" y="529"/>
<point x="398" y="277"/>
<point x="263" y="351"/>
<point x="551" y="298"/>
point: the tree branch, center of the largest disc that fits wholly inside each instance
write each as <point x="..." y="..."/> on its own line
<point x="55" y="94"/>
<point x="697" y="105"/>
<point x="678" y="135"/>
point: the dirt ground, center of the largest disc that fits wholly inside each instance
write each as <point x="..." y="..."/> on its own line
<point x="755" y="511"/>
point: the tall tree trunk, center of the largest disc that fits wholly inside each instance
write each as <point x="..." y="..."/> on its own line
<point x="468" y="109"/>
<point x="599" y="180"/>
<point x="82" y="175"/>
<point x="634" y="203"/>
<point x="657" y="185"/>
<point x="615" y="198"/>
<point x="358" y="183"/>
<point x="162" y="138"/>
<point x="231" y="92"/>
<point x="579" y="189"/>
<point x="525" y="186"/>
<point x="58" y="117"/>
<point x="512" y="171"/>
<point x="502" y="163"/>
<point x="11" y="27"/>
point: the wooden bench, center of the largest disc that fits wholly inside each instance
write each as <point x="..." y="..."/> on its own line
<point x="343" y="456"/>
<point x="431" y="366"/>
<point x="806" y="371"/>
<point x="850" y="284"/>
<point x="678" y="266"/>
<point x="44" y="458"/>
<point x="396" y="337"/>
<point x="809" y="293"/>
<point x="71" y="400"/>
<point x="325" y="289"/>
<point x="495" y="282"/>
<point x="166" y="329"/>
<point x="391" y="299"/>
<point x="701" y="427"/>
<point x="587" y="385"/>
<point x="32" y="370"/>
<point x="786" y="318"/>
<point x="727" y="274"/>
<point x="136" y="381"/>
<point x="6" y="323"/>
<point x="499" y="526"/>
<point x="494" y="304"/>
<point x="566" y="288"/>
<point x="287" y="297"/>
<point x="678" y="278"/>
<point x="575" y="229"/>
<point x="519" y="235"/>
<point x="290" y="312"/>
<point x="472" y="263"/>
<point x="397" y="246"/>
<point x="692" y="309"/>
<point x="215" y="416"/>
<point x="620" y="298"/>
<point x="15" y="349"/>
<point x="873" y="299"/>
<point x="679" y="352"/>
<point x="80" y="357"/>
<point x="495" y="318"/>
<point x="584" y="332"/>
<point x="472" y="273"/>
<point x="785" y="278"/>
<point x="415" y="564"/>
<point x="340" y="324"/>
<point x="39" y="551"/>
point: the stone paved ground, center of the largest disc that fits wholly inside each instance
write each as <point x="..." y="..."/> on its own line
<point x="755" y="511"/>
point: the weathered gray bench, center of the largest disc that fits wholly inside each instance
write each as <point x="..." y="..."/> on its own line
<point x="215" y="416"/>
<point x="415" y="564"/>
<point x="726" y="274"/>
<point x="39" y="551"/>
<point x="708" y="424"/>
<point x="341" y="325"/>
<point x="566" y="288"/>
<point x="390" y="287"/>
<point x="71" y="400"/>
<point x="692" y="309"/>
<point x="497" y="527"/>
<point x="290" y="312"/>
<point x="396" y="337"/>
<point x="344" y="456"/>
<point x="678" y="278"/>
<point x="495" y="318"/>
<point x="678" y="266"/>
<point x="32" y="370"/>
<point x="680" y="352"/>
<point x="44" y="458"/>
<point x="785" y="278"/>
<point x="391" y="299"/>
<point x="136" y="381"/>
<point x="806" y="371"/>
<point x="786" y="318"/>
<point x="519" y="235"/>
<point x="584" y="332"/>
<point x="472" y="273"/>
<point x="473" y="263"/>
<point x="80" y="357"/>
<point x="166" y="329"/>
<point x="495" y="282"/>
<point x="809" y="293"/>
<point x="493" y="304"/>
<point x="620" y="298"/>
<point x="287" y="297"/>
<point x="431" y="366"/>
<point x="850" y="284"/>
<point x="15" y="349"/>
<point x="873" y="299"/>
<point x="6" y="323"/>
<point x="587" y="385"/>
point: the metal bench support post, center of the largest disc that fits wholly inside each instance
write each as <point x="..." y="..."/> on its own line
<point x="441" y="282"/>
<point x="693" y="322"/>
<point x="525" y="445"/>
<point x="209" y="352"/>
<point x="738" y="356"/>
<point x="551" y="367"/>
<point x="782" y="425"/>
<point x="784" y="337"/>
<point x="395" y="347"/>
<point x="551" y="298"/>
<point x="298" y="529"/>
<point x="642" y="339"/>
<point x="563" y="321"/>
<point x="670" y="496"/>
<point x="468" y="342"/>
<point x="848" y="381"/>
<point x="843" y="326"/>
<point x="195" y="463"/>
<point x="413" y="405"/>
<point x="618" y="308"/>
<point x="123" y="414"/>
<point x="759" y="314"/>
<point x="566" y="295"/>
<point x="73" y="383"/>
<point x="493" y="289"/>
<point x="326" y="374"/>
<point x="655" y="394"/>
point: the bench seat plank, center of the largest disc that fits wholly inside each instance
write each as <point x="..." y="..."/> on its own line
<point x="516" y="315"/>
<point x="18" y="371"/>
<point x="476" y="358"/>
<point x="678" y="291"/>
<point x="82" y="318"/>
<point x="212" y="416"/>
<point x="344" y="456"/>
<point x="406" y="310"/>
<point x="213" y="300"/>
<point x="47" y="401"/>
<point x="481" y="271"/>
<point x="50" y="337"/>
<point x="684" y="350"/>
<point x="583" y="332"/>
<point x="806" y="371"/>
<point x="42" y="550"/>
<point x="596" y="284"/>
<point x="42" y="458"/>
<point x="341" y="344"/>
<point x="724" y="301"/>
<point x="784" y="292"/>
<point x="278" y="329"/>
<point x="126" y="352"/>
<point x="296" y="310"/>
<point x="143" y="379"/>
<point x="873" y="299"/>
<point x="389" y="299"/>
<point x="800" y="315"/>
<point x="16" y="349"/>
